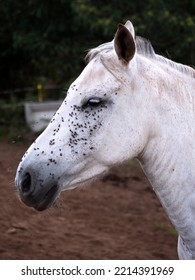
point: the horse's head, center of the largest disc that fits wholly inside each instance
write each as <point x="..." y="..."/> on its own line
<point x="99" y="124"/>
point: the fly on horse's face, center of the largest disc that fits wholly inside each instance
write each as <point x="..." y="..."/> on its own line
<point x="91" y="131"/>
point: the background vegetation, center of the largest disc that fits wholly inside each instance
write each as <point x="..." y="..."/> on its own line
<point x="47" y="39"/>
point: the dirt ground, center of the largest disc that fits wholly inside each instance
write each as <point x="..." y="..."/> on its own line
<point x="118" y="217"/>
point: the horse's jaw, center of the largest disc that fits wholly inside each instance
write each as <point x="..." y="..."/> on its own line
<point x="85" y="177"/>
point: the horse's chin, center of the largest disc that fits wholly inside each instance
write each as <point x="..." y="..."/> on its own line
<point x="44" y="204"/>
<point x="82" y="183"/>
<point x="53" y="195"/>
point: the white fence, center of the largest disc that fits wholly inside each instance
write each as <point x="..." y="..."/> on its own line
<point x="38" y="115"/>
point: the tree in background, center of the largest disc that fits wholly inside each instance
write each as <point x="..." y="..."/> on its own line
<point x="50" y="38"/>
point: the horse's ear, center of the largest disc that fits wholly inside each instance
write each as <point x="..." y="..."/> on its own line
<point x="124" y="43"/>
<point x="130" y="27"/>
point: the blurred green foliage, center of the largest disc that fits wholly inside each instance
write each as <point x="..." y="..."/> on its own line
<point x="49" y="38"/>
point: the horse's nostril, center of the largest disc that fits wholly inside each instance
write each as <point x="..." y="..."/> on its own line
<point x="26" y="184"/>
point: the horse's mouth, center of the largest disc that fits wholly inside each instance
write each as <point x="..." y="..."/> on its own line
<point x="47" y="200"/>
<point x="42" y="201"/>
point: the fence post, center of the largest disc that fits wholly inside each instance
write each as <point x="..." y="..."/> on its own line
<point x="40" y="92"/>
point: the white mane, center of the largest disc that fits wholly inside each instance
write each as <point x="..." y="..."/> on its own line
<point x="144" y="48"/>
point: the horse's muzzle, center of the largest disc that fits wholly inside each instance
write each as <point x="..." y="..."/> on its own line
<point x="38" y="196"/>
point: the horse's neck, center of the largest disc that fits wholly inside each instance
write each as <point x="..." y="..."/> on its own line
<point x="169" y="162"/>
<point x="173" y="181"/>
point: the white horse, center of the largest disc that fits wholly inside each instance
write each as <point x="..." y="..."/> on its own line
<point x="127" y="103"/>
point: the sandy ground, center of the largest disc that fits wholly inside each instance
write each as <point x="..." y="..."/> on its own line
<point x="118" y="217"/>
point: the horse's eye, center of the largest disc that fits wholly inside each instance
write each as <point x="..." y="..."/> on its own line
<point x="93" y="102"/>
